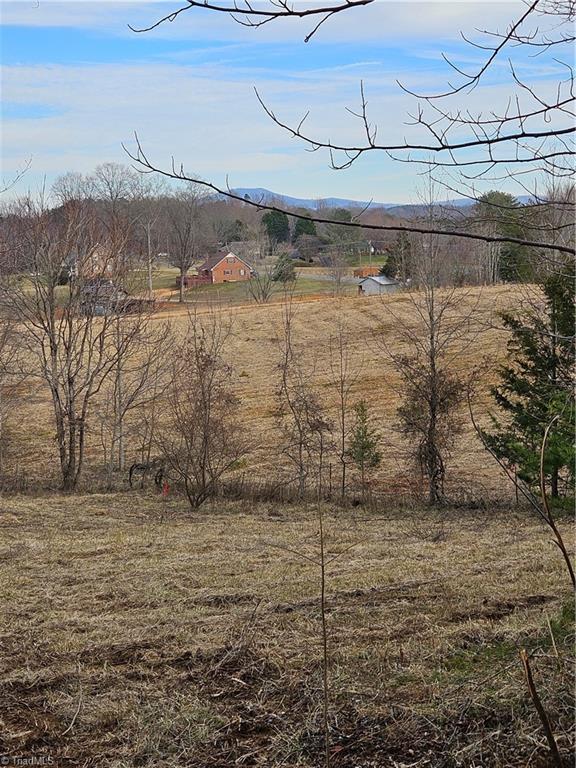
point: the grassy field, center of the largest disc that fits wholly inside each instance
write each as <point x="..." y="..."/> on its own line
<point x="370" y="324"/>
<point x="310" y="282"/>
<point x="237" y="293"/>
<point x="134" y="634"/>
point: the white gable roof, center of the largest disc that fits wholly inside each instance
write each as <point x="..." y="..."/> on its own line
<point x="380" y="279"/>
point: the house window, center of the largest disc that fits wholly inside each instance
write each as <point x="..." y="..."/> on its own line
<point x="242" y="272"/>
<point x="231" y="260"/>
<point x="227" y="271"/>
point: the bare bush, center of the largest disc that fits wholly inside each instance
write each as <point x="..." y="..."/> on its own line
<point x="261" y="285"/>
<point x="305" y="427"/>
<point x="344" y="370"/>
<point x="205" y="437"/>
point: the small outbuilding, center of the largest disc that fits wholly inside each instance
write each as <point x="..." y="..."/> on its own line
<point x="100" y="296"/>
<point x="377" y="284"/>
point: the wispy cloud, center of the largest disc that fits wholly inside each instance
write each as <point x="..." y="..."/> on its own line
<point x="188" y="90"/>
<point x="383" y="21"/>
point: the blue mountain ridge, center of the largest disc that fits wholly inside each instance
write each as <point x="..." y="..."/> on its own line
<point x="259" y="194"/>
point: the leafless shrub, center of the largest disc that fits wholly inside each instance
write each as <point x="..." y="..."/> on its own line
<point x="261" y="285"/>
<point x="304" y="425"/>
<point x="205" y="437"/>
<point x="344" y="372"/>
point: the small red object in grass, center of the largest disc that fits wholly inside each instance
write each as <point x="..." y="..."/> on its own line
<point x="165" y="488"/>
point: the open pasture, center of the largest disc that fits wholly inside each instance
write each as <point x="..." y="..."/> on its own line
<point x="135" y="634"/>
<point x="372" y="327"/>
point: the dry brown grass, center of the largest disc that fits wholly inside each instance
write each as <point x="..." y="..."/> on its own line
<point x="253" y="354"/>
<point x="137" y="635"/>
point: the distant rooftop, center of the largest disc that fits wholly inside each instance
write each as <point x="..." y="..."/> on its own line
<point x="380" y="279"/>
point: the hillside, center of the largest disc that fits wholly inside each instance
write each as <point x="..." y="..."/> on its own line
<point x="140" y="633"/>
<point x="254" y="354"/>
<point x="252" y="351"/>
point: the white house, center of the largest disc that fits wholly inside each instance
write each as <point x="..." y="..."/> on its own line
<point x="375" y="284"/>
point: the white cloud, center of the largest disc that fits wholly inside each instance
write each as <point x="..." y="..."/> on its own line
<point x="385" y="20"/>
<point x="208" y="118"/>
<point x="206" y="115"/>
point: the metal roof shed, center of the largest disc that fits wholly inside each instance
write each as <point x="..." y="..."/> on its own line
<point x="376" y="284"/>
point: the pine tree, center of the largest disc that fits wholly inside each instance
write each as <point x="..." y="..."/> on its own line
<point x="363" y="448"/>
<point x="277" y="226"/>
<point x="303" y="227"/>
<point x="537" y="384"/>
<point x="283" y="271"/>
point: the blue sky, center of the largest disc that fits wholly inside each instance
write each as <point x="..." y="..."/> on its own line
<point x="77" y="83"/>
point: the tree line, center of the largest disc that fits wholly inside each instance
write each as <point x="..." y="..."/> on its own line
<point x="181" y="226"/>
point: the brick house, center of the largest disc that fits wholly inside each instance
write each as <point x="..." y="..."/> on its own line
<point x="225" y="268"/>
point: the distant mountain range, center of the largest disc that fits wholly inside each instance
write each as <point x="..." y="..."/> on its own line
<point x="259" y="194"/>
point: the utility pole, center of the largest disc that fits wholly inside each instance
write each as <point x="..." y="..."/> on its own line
<point x="148" y="226"/>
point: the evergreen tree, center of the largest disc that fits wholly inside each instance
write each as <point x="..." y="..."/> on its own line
<point x="537" y="384"/>
<point x="303" y="227"/>
<point x="364" y="440"/>
<point x="284" y="271"/>
<point x="341" y="236"/>
<point x="277" y="227"/>
<point x="501" y="214"/>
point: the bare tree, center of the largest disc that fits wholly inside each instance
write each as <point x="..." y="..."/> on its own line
<point x="11" y="182"/>
<point x="338" y="268"/>
<point x="525" y="140"/>
<point x="113" y="188"/>
<point x="136" y="381"/>
<point x="435" y="335"/>
<point x="529" y="136"/>
<point x="147" y="201"/>
<point x="247" y="15"/>
<point x="185" y="237"/>
<point x="11" y="381"/>
<point x="205" y="437"/>
<point x="308" y="246"/>
<point x="67" y="332"/>
<point x="305" y="427"/>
